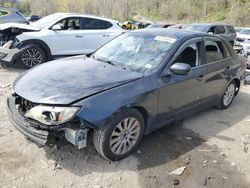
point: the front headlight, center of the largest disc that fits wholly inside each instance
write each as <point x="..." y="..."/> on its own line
<point x="52" y="115"/>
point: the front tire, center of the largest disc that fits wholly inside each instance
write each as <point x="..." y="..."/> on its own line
<point x="228" y="96"/>
<point x="32" y="56"/>
<point x="120" y="135"/>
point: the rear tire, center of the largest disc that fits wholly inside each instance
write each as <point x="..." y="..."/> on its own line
<point x="120" y="136"/>
<point x="32" y="56"/>
<point x="228" y="96"/>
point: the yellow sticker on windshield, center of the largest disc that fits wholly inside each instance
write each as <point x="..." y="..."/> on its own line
<point x="165" y="39"/>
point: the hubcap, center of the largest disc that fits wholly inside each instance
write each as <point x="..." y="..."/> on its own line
<point x="229" y="94"/>
<point x="32" y="57"/>
<point x="125" y="136"/>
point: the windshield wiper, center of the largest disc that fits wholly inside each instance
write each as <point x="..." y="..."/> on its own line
<point x="109" y="62"/>
<point x="104" y="60"/>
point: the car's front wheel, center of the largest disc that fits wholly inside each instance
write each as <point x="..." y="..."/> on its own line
<point x="120" y="135"/>
<point x="228" y="95"/>
<point x="32" y="56"/>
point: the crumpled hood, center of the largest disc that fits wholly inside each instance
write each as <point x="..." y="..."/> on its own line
<point x="23" y="27"/>
<point x="67" y="80"/>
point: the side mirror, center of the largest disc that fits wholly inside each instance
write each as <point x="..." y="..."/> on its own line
<point x="56" y="28"/>
<point x="210" y="33"/>
<point x="180" y="68"/>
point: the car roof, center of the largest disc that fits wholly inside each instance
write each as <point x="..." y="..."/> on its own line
<point x="176" y="33"/>
<point x="86" y="15"/>
<point x="210" y="24"/>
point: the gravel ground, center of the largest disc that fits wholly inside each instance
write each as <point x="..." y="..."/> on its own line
<point x="212" y="146"/>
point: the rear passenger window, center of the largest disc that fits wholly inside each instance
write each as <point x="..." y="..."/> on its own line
<point x="214" y="51"/>
<point x="220" y="30"/>
<point x="231" y="29"/>
<point x="91" y="23"/>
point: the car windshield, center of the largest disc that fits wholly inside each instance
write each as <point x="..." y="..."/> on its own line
<point x="47" y="20"/>
<point x="196" y="28"/>
<point x="245" y="32"/>
<point x="136" y="52"/>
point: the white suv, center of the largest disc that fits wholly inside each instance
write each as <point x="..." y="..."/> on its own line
<point x="59" y="34"/>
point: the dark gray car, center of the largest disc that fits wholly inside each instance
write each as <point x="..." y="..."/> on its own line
<point x="11" y="15"/>
<point x="136" y="83"/>
<point x="224" y="30"/>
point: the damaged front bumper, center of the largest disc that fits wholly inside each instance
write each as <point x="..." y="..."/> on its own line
<point x="45" y="135"/>
<point x="9" y="55"/>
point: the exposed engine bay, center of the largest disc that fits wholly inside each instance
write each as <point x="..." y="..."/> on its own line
<point x="9" y="31"/>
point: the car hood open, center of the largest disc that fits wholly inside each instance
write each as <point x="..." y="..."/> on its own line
<point x="68" y="80"/>
<point x="22" y="27"/>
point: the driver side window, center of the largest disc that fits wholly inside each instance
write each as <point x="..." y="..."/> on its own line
<point x="189" y="55"/>
<point x="70" y="24"/>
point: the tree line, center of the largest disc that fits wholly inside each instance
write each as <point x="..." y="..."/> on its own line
<point x="236" y="12"/>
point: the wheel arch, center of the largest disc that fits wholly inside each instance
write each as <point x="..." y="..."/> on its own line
<point x="41" y="44"/>
<point x="237" y="81"/>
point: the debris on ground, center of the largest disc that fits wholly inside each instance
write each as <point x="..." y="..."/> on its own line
<point x="205" y="150"/>
<point x="232" y="163"/>
<point x="206" y="179"/>
<point x="225" y="178"/>
<point x="178" y="171"/>
<point x="52" y="164"/>
<point x="176" y="181"/>
<point x="223" y="154"/>
<point x="215" y="161"/>
<point x="244" y="145"/>
<point x="189" y="138"/>
<point x="187" y="160"/>
<point x="205" y="163"/>
<point x="6" y="85"/>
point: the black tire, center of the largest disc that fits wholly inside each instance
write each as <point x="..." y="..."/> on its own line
<point x="102" y="137"/>
<point x="223" y="104"/>
<point x="32" y="55"/>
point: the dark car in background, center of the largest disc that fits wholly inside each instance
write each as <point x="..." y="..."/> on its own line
<point x="34" y="18"/>
<point x="159" y="25"/>
<point x="11" y="15"/>
<point x="224" y="30"/>
<point x="136" y="83"/>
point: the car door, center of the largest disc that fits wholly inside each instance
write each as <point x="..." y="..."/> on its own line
<point x="69" y="39"/>
<point x="218" y="64"/>
<point x="96" y="33"/>
<point x="180" y="93"/>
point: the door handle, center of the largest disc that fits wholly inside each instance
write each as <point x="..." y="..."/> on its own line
<point x="79" y="36"/>
<point x="105" y="35"/>
<point x="200" y="78"/>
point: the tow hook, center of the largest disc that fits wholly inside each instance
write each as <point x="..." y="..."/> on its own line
<point x="76" y="137"/>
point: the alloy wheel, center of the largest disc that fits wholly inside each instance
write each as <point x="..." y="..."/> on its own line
<point x="125" y="136"/>
<point x="32" y="57"/>
<point x="229" y="94"/>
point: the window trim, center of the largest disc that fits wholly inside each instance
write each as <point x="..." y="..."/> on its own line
<point x="180" y="49"/>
